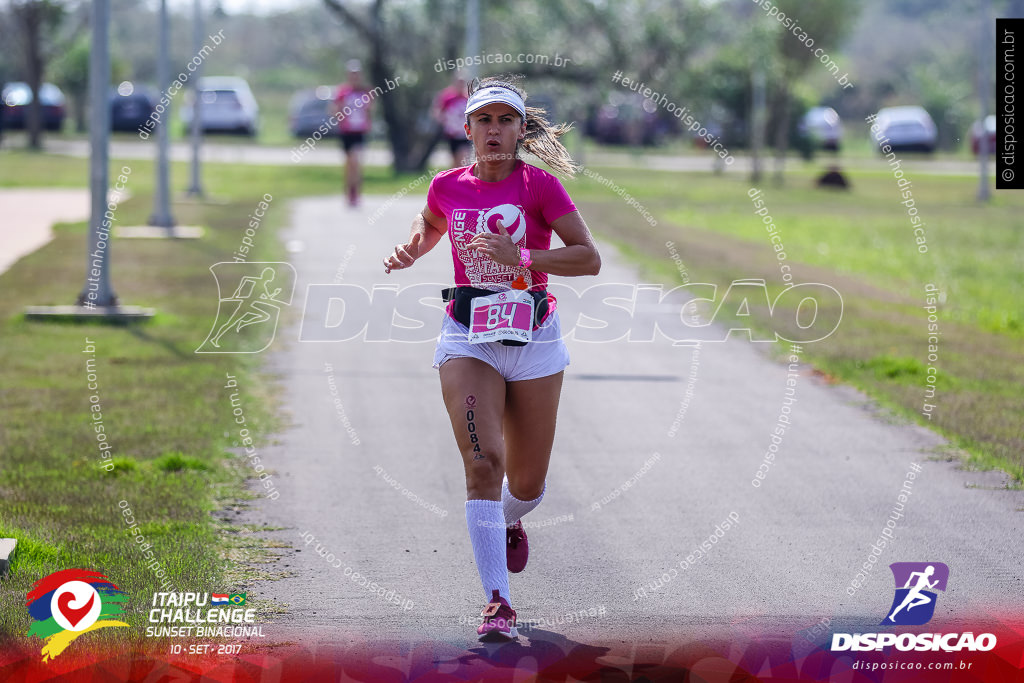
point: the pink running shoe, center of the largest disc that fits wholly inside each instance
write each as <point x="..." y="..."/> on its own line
<point x="499" y="621"/>
<point x="517" y="548"/>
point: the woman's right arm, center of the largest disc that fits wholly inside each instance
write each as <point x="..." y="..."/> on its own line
<point x="427" y="230"/>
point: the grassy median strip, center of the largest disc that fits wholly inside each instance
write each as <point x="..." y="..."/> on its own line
<point x="861" y="243"/>
<point x="164" y="414"/>
<point x="176" y="472"/>
<point x="220" y="181"/>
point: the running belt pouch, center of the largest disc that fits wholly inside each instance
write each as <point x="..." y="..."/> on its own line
<point x="463" y="297"/>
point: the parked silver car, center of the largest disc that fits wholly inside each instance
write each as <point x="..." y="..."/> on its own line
<point x="228" y="106"/>
<point x="908" y="129"/>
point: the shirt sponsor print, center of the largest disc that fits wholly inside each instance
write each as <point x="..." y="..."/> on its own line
<point x="481" y="270"/>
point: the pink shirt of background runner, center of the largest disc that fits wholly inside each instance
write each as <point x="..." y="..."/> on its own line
<point x="358" y="118"/>
<point x="451" y="104"/>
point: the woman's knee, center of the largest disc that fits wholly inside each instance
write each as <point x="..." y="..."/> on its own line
<point x="525" y="486"/>
<point x="484" y="470"/>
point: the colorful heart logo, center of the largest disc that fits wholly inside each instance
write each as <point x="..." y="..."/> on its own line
<point x="76" y="605"/>
<point x="69" y="603"/>
<point x="72" y="614"/>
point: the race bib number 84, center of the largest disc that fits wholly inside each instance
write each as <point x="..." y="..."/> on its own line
<point x="503" y="315"/>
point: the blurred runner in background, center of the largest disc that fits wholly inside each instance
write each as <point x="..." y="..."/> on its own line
<point x="352" y="107"/>
<point x="450" y="111"/>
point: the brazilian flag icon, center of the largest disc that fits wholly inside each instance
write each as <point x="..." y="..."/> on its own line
<point x="237" y="599"/>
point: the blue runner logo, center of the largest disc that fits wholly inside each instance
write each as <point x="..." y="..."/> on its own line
<point x="916" y="583"/>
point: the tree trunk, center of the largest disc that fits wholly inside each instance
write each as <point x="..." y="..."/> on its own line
<point x="757" y="123"/>
<point x="782" y="134"/>
<point x="32" y="25"/>
<point x="79" y="105"/>
<point x="398" y="127"/>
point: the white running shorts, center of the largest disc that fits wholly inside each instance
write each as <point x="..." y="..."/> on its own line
<point x="545" y="355"/>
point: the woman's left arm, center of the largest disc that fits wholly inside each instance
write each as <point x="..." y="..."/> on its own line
<point x="579" y="255"/>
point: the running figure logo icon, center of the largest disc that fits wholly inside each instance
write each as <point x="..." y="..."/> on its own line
<point x="916" y="582"/>
<point x="258" y="291"/>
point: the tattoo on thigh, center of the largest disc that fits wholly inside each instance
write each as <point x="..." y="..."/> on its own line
<point x="471" y="426"/>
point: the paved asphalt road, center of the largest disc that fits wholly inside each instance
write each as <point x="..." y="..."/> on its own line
<point x="781" y="568"/>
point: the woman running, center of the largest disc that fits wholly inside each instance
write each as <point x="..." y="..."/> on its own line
<point x="501" y="393"/>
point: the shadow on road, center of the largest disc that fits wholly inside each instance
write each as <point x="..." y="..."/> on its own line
<point x="555" y="657"/>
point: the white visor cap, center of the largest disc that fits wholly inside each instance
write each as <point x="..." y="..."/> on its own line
<point x="491" y="95"/>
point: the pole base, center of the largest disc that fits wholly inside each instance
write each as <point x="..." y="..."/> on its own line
<point x="7" y="548"/>
<point x="178" y="232"/>
<point x="105" y="313"/>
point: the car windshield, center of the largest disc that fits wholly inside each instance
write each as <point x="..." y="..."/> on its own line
<point x="220" y="97"/>
<point x="17" y="94"/>
<point x="312" y="107"/>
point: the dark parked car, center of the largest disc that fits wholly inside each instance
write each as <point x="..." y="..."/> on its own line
<point x="130" y="107"/>
<point x="17" y="96"/>
<point x="627" y="119"/>
<point x="309" y="109"/>
<point x="822" y="126"/>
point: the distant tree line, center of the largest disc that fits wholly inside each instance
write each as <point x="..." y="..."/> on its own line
<point x="702" y="56"/>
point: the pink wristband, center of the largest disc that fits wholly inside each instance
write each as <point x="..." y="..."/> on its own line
<point x="525" y="260"/>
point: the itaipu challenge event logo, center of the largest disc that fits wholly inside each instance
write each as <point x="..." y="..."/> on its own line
<point x="71" y="603"/>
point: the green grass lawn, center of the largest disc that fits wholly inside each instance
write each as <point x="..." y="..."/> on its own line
<point x="176" y="466"/>
<point x="976" y="253"/>
<point x="163" y="409"/>
<point x="220" y="181"/>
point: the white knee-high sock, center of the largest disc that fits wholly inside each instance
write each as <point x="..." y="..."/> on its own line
<point x="513" y="507"/>
<point x="487" y="534"/>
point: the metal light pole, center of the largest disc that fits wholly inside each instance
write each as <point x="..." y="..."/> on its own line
<point x="161" y="199"/>
<point x="98" y="291"/>
<point x="757" y="116"/>
<point x="472" y="36"/>
<point x="195" y="188"/>
<point x="985" y="50"/>
<point x="97" y="300"/>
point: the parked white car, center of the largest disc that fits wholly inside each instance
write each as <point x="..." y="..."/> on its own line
<point x="228" y="106"/>
<point x="908" y="128"/>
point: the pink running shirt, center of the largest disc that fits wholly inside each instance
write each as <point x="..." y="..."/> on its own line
<point x="452" y="105"/>
<point x="527" y="202"/>
<point x="358" y="101"/>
